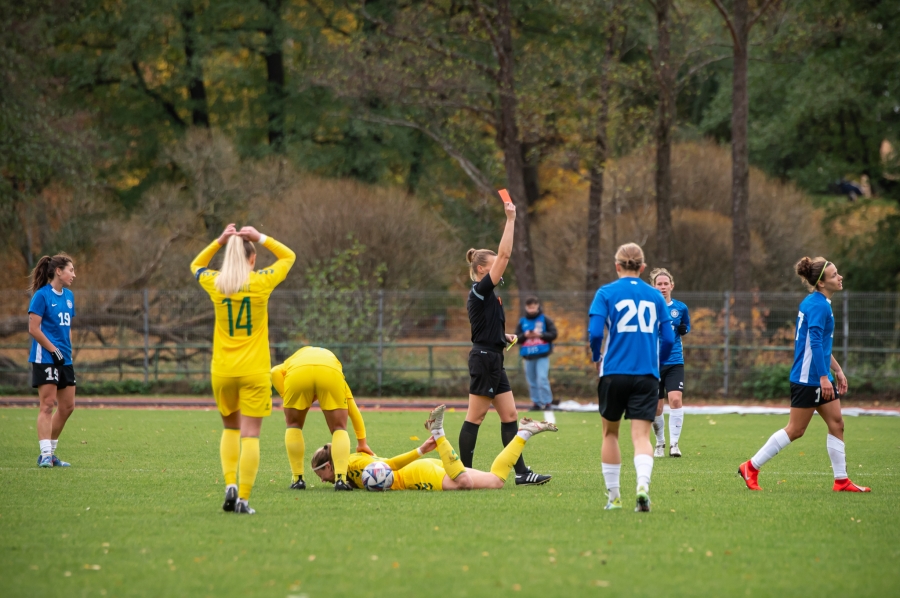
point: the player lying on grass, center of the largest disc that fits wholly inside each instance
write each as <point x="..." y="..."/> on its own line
<point x="316" y="374"/>
<point x="444" y="474"/>
<point x="811" y="379"/>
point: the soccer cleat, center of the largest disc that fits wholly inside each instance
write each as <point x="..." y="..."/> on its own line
<point x="242" y="508"/>
<point x="750" y="475"/>
<point x="643" y="500"/>
<point x="536" y="427"/>
<point x="230" y="498"/>
<point x="435" y="419"/>
<point x="674" y="451"/>
<point x="613" y="504"/>
<point x="59" y="463"/>
<point x="342" y="486"/>
<point x="660" y="450"/>
<point x="45" y="461"/>
<point x="531" y="479"/>
<point x="846" y="485"/>
<point x="299" y="484"/>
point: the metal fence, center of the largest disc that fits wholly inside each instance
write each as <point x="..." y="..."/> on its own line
<point x="416" y="342"/>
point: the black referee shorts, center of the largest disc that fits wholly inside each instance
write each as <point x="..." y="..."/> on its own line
<point x="487" y="376"/>
<point x="635" y="396"/>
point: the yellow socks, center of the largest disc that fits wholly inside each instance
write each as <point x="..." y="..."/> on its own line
<point x="507" y="458"/>
<point x="249" y="466"/>
<point x="296" y="448"/>
<point x="340" y="453"/>
<point x="230" y="452"/>
<point x="452" y="465"/>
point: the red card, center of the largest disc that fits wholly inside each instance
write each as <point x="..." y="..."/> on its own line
<point x="504" y="195"/>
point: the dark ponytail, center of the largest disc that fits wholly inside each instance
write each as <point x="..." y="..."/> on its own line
<point x="45" y="270"/>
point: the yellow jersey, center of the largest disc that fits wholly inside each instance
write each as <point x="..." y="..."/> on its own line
<point x="358" y="462"/>
<point x="241" y="336"/>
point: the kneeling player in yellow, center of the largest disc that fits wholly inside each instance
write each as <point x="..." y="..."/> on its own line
<point x="240" y="356"/>
<point x="444" y="474"/>
<point x="316" y="374"/>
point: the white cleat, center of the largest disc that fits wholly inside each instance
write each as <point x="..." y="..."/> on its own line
<point x="674" y="451"/>
<point x="435" y="419"/>
<point x="660" y="450"/>
<point x="536" y="427"/>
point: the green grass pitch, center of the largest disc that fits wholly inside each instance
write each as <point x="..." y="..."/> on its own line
<point x="139" y="514"/>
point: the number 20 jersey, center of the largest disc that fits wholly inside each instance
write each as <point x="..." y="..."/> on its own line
<point x="633" y="311"/>
<point x="241" y="336"/>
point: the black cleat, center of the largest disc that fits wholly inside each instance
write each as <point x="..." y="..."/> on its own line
<point x="242" y="508"/>
<point x="531" y="479"/>
<point x="342" y="486"/>
<point x="299" y="484"/>
<point x="230" y="499"/>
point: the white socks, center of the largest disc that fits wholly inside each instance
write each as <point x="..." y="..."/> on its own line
<point x="837" y="456"/>
<point x="611" y="478"/>
<point x="53" y="444"/>
<point x="437" y="433"/>
<point x="772" y="447"/>
<point x="644" y="466"/>
<point x="676" y="419"/>
<point x="524" y="435"/>
<point x="46" y="447"/>
<point x="659" y="426"/>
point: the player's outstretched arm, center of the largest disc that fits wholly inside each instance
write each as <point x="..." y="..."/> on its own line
<point x="359" y="427"/>
<point x="504" y="252"/>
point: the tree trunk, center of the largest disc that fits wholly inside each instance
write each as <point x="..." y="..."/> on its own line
<point x="276" y="95"/>
<point x="664" y="119"/>
<point x="196" y="87"/>
<point x="740" y="178"/>
<point x="522" y="259"/>
<point x="530" y="175"/>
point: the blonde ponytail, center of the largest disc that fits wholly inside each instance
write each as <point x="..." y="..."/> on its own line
<point x="236" y="267"/>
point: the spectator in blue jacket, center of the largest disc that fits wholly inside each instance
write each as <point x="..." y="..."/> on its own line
<point x="536" y="333"/>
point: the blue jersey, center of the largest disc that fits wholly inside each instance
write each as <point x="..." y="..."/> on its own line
<point x="813" y="341"/>
<point x="636" y="317"/>
<point x="57" y="310"/>
<point x="678" y="311"/>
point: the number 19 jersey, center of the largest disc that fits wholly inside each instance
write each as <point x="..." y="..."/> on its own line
<point x="241" y="336"/>
<point x="634" y="312"/>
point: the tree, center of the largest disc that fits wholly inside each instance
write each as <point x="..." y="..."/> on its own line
<point x="739" y="23"/>
<point x="449" y="62"/>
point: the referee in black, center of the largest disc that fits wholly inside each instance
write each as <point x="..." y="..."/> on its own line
<point x="488" y="382"/>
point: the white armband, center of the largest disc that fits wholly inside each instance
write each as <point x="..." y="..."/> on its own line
<point x="262" y="239"/>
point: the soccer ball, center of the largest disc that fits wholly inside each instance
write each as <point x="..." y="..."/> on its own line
<point x="377" y="476"/>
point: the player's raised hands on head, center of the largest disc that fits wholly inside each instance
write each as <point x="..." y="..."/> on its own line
<point x="510" y="210"/>
<point x="229" y="231"/>
<point x="248" y="233"/>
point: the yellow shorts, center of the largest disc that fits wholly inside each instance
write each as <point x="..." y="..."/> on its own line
<point x="252" y="395"/>
<point x="424" y="474"/>
<point x="320" y="383"/>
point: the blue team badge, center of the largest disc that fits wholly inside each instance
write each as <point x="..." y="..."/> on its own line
<point x="69" y="303"/>
<point x="674" y="313"/>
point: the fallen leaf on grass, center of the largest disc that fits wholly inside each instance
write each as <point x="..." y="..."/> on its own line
<point x="709" y="553"/>
<point x="395" y="565"/>
<point x="311" y="558"/>
<point x="414" y="438"/>
<point x="601" y="583"/>
<point x="516" y="587"/>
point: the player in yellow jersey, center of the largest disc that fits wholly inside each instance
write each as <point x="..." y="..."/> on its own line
<point x="444" y="474"/>
<point x="240" y="367"/>
<point x="316" y="374"/>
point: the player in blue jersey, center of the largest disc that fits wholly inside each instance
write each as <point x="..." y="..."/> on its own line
<point x="639" y="337"/>
<point x="811" y="379"/>
<point x="671" y="372"/>
<point x="50" y="316"/>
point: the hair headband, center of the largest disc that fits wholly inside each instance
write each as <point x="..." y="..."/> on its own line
<point x="821" y="273"/>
